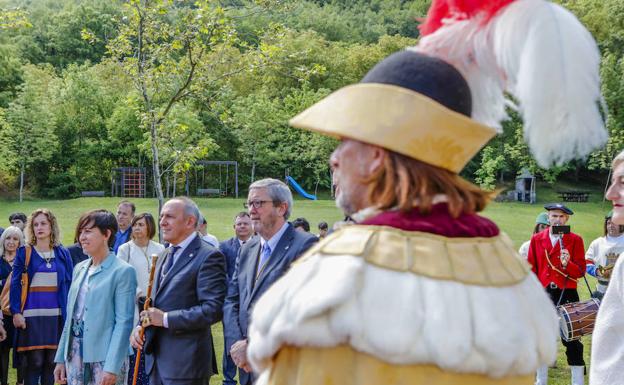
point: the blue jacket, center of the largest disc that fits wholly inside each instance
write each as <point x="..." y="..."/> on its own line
<point x="108" y="314"/>
<point x="230" y="248"/>
<point x="64" y="269"/>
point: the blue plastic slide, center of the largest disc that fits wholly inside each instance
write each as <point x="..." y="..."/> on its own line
<point x="299" y="189"/>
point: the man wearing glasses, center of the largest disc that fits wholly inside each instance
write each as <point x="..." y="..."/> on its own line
<point x="261" y="262"/>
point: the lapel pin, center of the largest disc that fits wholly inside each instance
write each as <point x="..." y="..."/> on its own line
<point x="286" y="248"/>
<point x="191" y="255"/>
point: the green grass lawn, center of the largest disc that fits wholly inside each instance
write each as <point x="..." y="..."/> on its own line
<point x="516" y="219"/>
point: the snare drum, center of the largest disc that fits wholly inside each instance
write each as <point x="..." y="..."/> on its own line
<point x="577" y="319"/>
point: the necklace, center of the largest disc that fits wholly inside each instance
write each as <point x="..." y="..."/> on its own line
<point x="47" y="257"/>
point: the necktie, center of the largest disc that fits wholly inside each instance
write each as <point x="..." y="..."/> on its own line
<point x="170" y="257"/>
<point x="264" y="256"/>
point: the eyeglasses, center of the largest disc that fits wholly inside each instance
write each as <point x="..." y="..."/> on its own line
<point x="255" y="204"/>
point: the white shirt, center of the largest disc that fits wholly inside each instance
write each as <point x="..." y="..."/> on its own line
<point x="274" y="239"/>
<point x="554" y="238"/>
<point x="604" y="251"/>
<point x="524" y="249"/>
<point x="183" y="245"/>
<point x="140" y="258"/>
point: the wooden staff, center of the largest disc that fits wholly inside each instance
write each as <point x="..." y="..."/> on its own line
<point x="148" y="301"/>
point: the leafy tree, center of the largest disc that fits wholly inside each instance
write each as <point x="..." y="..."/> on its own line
<point x="163" y="48"/>
<point x="27" y="134"/>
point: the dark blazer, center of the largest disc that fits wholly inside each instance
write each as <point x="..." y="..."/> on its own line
<point x="77" y="255"/>
<point x="64" y="270"/>
<point x="230" y="249"/>
<point x="244" y="290"/>
<point x="192" y="294"/>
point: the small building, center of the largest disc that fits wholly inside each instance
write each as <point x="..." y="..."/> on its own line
<point x="525" y="187"/>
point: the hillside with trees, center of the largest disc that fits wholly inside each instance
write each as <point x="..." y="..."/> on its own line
<point x="90" y="85"/>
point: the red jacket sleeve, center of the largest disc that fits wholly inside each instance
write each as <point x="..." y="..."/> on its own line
<point x="576" y="266"/>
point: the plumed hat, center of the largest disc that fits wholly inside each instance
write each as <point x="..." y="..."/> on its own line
<point x="441" y="101"/>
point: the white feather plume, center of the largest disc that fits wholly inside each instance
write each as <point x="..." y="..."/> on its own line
<point x="542" y="55"/>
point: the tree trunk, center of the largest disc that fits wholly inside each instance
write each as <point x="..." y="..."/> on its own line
<point x="253" y="171"/>
<point x="167" y="186"/>
<point x="175" y="182"/>
<point x="156" y="166"/>
<point x="22" y="169"/>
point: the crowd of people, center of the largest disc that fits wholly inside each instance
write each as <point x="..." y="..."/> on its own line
<point x="69" y="312"/>
<point x="422" y="290"/>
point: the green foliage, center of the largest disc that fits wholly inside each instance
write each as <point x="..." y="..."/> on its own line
<point x="219" y="81"/>
<point x="27" y="138"/>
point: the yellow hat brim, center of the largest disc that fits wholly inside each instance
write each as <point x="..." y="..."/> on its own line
<point x="400" y="120"/>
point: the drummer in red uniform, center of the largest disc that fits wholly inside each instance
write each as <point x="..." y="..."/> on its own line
<point x="558" y="268"/>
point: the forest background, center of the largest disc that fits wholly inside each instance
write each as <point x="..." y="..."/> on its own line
<point x="87" y="86"/>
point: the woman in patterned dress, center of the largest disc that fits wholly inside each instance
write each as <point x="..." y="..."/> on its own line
<point x="94" y="347"/>
<point x="39" y="321"/>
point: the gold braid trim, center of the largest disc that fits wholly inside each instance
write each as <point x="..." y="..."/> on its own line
<point x="557" y="270"/>
<point x="346" y="366"/>
<point x="473" y="261"/>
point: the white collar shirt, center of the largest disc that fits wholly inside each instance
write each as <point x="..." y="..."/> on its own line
<point x="182" y="245"/>
<point x="274" y="239"/>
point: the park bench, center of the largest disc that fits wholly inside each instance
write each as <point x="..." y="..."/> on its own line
<point x="92" y="194"/>
<point x="208" y="191"/>
<point x="574" y="196"/>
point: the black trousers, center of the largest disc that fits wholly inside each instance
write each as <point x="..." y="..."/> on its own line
<point x="156" y="379"/>
<point x="39" y="367"/>
<point x="574" y="349"/>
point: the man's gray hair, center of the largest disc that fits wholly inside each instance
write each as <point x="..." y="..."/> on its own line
<point x="190" y="208"/>
<point x="278" y="192"/>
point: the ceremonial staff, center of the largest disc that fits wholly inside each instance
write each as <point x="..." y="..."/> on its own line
<point x="148" y="301"/>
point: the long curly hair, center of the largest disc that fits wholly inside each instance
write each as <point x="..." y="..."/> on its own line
<point x="55" y="234"/>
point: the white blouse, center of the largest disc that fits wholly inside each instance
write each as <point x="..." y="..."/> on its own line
<point x="141" y="259"/>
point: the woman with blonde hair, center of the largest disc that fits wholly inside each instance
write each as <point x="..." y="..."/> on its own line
<point x="10" y="240"/>
<point x="39" y="320"/>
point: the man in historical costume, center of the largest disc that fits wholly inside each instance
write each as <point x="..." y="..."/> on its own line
<point x="558" y="261"/>
<point x="421" y="290"/>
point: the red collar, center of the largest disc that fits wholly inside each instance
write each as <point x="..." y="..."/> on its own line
<point x="439" y="221"/>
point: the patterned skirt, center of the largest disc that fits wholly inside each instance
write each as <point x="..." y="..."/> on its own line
<point x="86" y="373"/>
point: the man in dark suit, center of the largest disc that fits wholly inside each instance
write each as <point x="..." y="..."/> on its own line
<point x="261" y="262"/>
<point x="230" y="248"/>
<point x="188" y="293"/>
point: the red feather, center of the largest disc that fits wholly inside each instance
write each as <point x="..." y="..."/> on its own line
<point x="459" y="10"/>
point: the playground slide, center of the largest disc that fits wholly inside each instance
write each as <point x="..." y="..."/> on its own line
<point x="299" y="189"/>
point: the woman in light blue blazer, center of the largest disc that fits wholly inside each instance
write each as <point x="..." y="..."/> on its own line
<point x="94" y="345"/>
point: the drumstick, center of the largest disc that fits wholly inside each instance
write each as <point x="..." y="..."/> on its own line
<point x="146" y="306"/>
